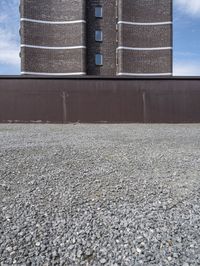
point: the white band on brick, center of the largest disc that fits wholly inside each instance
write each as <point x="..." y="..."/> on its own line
<point x="143" y="49"/>
<point x="52" y="22"/>
<point x="145" y="23"/>
<point x="143" y="74"/>
<point x="53" y="74"/>
<point x="53" y="48"/>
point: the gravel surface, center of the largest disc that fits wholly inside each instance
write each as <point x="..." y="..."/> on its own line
<point x="99" y="195"/>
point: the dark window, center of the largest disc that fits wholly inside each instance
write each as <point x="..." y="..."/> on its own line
<point x="98" y="12"/>
<point x="99" y="59"/>
<point x="98" y="36"/>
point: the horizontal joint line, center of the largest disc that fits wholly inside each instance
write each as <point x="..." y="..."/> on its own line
<point x="145" y="23"/>
<point x="143" y="49"/>
<point x="144" y="74"/>
<point x="53" y="48"/>
<point x="52" y="22"/>
<point x="53" y="74"/>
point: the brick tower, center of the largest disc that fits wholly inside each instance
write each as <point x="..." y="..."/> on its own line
<point x="145" y="37"/>
<point x="53" y="37"/>
<point x="96" y="37"/>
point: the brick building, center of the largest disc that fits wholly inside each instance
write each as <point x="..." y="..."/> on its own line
<point x="96" y="37"/>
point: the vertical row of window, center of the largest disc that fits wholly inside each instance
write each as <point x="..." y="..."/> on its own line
<point x="98" y="36"/>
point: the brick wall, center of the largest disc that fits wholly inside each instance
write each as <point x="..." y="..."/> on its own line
<point x="108" y="47"/>
<point x="144" y="36"/>
<point x="145" y="10"/>
<point x="144" y="61"/>
<point x="52" y="61"/>
<point x="55" y="10"/>
<point x="53" y="35"/>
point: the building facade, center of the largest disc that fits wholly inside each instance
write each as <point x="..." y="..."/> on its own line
<point x="96" y="37"/>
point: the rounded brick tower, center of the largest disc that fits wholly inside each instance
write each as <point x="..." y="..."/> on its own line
<point x="144" y="37"/>
<point x="53" y="37"/>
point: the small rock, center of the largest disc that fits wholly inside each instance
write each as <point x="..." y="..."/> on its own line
<point x="79" y="253"/>
<point x="6" y="187"/>
<point x="71" y="247"/>
<point x="169" y="258"/>
<point x="103" y="261"/>
<point x="12" y="254"/>
<point x="88" y="252"/>
<point x="9" y="249"/>
<point x="104" y="251"/>
<point x="138" y="250"/>
<point x="28" y="238"/>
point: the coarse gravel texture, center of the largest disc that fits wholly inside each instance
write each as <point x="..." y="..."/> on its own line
<point x="99" y="194"/>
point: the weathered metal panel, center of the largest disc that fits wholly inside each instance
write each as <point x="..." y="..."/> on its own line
<point x="104" y="101"/>
<point x="25" y="101"/>
<point x="91" y="100"/>
<point x="173" y="101"/>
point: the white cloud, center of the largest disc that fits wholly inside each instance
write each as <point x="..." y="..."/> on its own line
<point x="186" y="68"/>
<point x="9" y="50"/>
<point x="191" y="7"/>
<point x="9" y="33"/>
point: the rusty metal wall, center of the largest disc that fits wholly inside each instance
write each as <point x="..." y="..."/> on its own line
<point x="90" y="100"/>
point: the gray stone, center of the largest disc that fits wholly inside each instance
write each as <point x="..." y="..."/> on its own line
<point x="90" y="223"/>
<point x="103" y="261"/>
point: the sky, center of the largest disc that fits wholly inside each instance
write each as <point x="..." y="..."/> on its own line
<point x="186" y="37"/>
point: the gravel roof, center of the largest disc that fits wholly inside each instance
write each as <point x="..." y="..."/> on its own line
<point x="99" y="195"/>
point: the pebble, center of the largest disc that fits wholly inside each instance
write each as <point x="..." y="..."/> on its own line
<point x="103" y="261"/>
<point x="138" y="250"/>
<point x="9" y="249"/>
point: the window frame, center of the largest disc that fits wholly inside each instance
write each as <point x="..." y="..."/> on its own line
<point x="98" y="59"/>
<point x="99" y="11"/>
<point x="98" y="33"/>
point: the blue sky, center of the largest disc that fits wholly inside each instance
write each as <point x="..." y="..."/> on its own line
<point x="186" y="37"/>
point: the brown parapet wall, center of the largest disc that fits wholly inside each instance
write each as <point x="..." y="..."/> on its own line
<point x="96" y="100"/>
